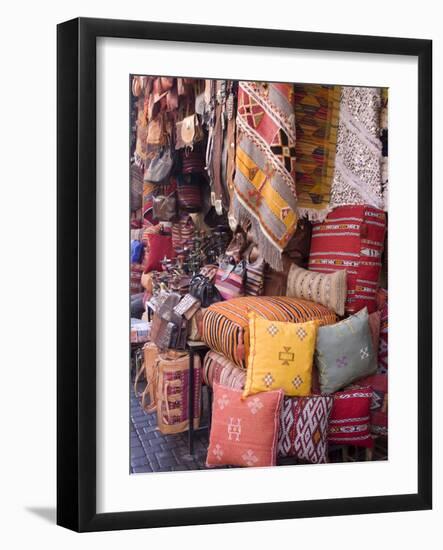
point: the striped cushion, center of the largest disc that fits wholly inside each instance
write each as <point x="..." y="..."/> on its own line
<point x="219" y="370"/>
<point x="351" y="238"/>
<point x="255" y="277"/>
<point x="225" y="324"/>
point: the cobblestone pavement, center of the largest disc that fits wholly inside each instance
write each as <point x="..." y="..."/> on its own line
<point x="151" y="451"/>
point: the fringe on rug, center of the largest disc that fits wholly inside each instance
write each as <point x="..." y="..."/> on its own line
<point x="269" y="250"/>
<point x="312" y="214"/>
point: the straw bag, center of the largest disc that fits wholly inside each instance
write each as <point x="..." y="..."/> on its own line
<point x="173" y="389"/>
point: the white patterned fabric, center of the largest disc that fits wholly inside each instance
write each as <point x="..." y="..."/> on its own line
<point x="304" y="428"/>
<point x="358" y="160"/>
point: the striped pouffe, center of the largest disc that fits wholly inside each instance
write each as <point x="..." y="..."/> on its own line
<point x="225" y="324"/>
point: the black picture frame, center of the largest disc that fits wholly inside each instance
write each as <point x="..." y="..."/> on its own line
<point x="76" y="280"/>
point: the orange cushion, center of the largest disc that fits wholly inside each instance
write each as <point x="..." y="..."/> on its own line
<point x="244" y="431"/>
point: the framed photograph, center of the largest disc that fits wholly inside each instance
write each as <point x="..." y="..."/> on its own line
<point x="244" y="271"/>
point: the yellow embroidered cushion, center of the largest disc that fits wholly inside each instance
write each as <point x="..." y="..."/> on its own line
<point x="280" y="356"/>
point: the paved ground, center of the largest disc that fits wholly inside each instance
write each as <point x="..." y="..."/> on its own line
<point x="151" y="451"/>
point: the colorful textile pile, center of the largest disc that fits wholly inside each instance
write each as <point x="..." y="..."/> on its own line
<point x="316" y="115"/>
<point x="351" y="238"/>
<point x="225" y="324"/>
<point x="264" y="182"/>
<point x="357" y="177"/>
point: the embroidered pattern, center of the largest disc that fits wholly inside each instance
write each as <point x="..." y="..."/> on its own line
<point x="286" y="356"/>
<point x="268" y="380"/>
<point x="298" y="381"/>
<point x="223" y="401"/>
<point x="255" y="405"/>
<point x="273" y="330"/>
<point x="249" y="457"/>
<point x="218" y="452"/>
<point x="234" y="429"/>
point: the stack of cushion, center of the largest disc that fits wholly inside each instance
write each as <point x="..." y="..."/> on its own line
<point x="351" y="239"/>
<point x="281" y="359"/>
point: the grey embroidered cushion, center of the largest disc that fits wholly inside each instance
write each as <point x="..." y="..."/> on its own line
<point x="328" y="289"/>
<point x="344" y="352"/>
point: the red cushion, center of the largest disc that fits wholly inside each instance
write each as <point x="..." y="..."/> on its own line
<point x="350" y="417"/>
<point x="379" y="403"/>
<point x="159" y="246"/>
<point x="351" y="238"/>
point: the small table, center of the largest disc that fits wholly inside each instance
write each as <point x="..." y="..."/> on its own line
<point x="200" y="348"/>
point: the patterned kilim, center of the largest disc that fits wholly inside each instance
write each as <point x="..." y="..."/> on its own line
<point x="265" y="166"/>
<point x="351" y="238"/>
<point x="357" y="176"/>
<point x="317" y="110"/>
<point x="225" y="324"/>
<point x="304" y="428"/>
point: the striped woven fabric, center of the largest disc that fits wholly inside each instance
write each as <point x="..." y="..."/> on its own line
<point x="317" y="110"/>
<point x="183" y="233"/>
<point x="351" y="238"/>
<point x="220" y="370"/>
<point x="255" y="277"/>
<point x="225" y="324"/>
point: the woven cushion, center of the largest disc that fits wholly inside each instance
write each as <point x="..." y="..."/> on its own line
<point x="217" y="369"/>
<point x="323" y="288"/>
<point x="379" y="404"/>
<point x="344" y="352"/>
<point x="351" y="238"/>
<point x="280" y="356"/>
<point x="304" y="428"/>
<point x="244" y="431"/>
<point x="349" y="420"/>
<point x="225" y="324"/>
